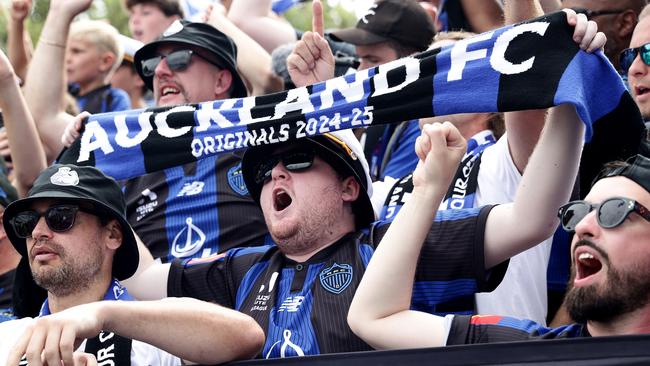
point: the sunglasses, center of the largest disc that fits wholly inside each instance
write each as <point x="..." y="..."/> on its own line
<point x="627" y="56"/>
<point x="293" y="161"/>
<point x="594" y="13"/>
<point x="609" y="214"/>
<point x="176" y="61"/>
<point x="58" y="218"/>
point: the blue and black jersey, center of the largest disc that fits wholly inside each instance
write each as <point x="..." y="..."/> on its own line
<point x="6" y="289"/>
<point x="303" y="306"/>
<point x="104" y="99"/>
<point x="492" y="329"/>
<point x="194" y="210"/>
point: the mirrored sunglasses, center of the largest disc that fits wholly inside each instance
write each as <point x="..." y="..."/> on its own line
<point x="627" y="56"/>
<point x="295" y="160"/>
<point x="609" y="213"/>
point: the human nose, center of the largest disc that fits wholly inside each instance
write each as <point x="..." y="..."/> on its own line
<point x="588" y="226"/>
<point x="638" y="67"/>
<point x="41" y="230"/>
<point x="279" y="171"/>
<point x="162" y="68"/>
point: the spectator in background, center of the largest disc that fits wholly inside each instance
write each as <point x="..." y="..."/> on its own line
<point x="255" y="18"/>
<point x="126" y="78"/>
<point x="9" y="258"/>
<point x="635" y="61"/>
<point x="149" y="18"/>
<point x="610" y="279"/>
<point x="72" y="232"/>
<point x="465" y="15"/>
<point x="615" y="18"/>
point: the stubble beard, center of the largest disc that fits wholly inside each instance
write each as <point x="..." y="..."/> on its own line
<point x="72" y="275"/>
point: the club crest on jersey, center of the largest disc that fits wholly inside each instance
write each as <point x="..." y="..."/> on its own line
<point x="336" y="278"/>
<point x="236" y="180"/>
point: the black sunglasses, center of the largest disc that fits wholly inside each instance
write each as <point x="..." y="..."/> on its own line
<point x="609" y="213"/>
<point x="294" y="160"/>
<point x="627" y="56"/>
<point x="177" y="61"/>
<point x="594" y="13"/>
<point x="59" y="218"/>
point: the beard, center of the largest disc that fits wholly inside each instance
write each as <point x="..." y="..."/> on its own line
<point x="624" y="291"/>
<point x="304" y="231"/>
<point x="74" y="274"/>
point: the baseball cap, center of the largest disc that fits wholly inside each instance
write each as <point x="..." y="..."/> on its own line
<point x="80" y="184"/>
<point x="636" y="168"/>
<point x="340" y="149"/>
<point x="203" y="36"/>
<point x="131" y="46"/>
<point x="403" y="21"/>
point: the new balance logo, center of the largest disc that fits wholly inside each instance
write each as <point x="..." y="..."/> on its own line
<point x="291" y="304"/>
<point x="190" y="189"/>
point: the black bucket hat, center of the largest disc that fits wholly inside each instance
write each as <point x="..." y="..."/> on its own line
<point x="636" y="168"/>
<point x="341" y="150"/>
<point x="80" y="184"/>
<point x="203" y="36"/>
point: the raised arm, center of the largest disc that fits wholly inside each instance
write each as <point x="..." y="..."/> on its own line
<point x="45" y="85"/>
<point x="194" y="330"/>
<point x="483" y="15"/>
<point x="387" y="321"/>
<point x="258" y="21"/>
<point x="253" y="61"/>
<point x="27" y="152"/>
<point x="19" y="45"/>
<point x="311" y="60"/>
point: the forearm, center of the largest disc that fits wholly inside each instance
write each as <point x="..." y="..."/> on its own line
<point x="524" y="129"/>
<point x="516" y="11"/>
<point x="17" y="47"/>
<point x="45" y="82"/>
<point x="253" y="61"/>
<point x="27" y="152"/>
<point x="392" y="271"/>
<point x="546" y="185"/>
<point x="191" y="329"/>
<point x="256" y="19"/>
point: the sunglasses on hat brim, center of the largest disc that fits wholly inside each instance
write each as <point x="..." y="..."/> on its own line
<point x="627" y="56"/>
<point x="609" y="214"/>
<point x="59" y="218"/>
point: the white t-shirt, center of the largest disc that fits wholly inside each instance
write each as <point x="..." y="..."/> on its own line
<point x="141" y="353"/>
<point x="522" y="293"/>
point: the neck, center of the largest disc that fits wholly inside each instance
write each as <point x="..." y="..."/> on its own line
<point x="304" y="256"/>
<point x="8" y="258"/>
<point x="94" y="292"/>
<point x="636" y="322"/>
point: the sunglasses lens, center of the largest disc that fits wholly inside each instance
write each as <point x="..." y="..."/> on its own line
<point x="179" y="60"/>
<point x="573" y="213"/>
<point x="264" y="169"/>
<point x="60" y="218"/>
<point x="626" y="58"/>
<point x="298" y="160"/>
<point x="612" y="213"/>
<point x="645" y="54"/>
<point x="24" y="223"/>
<point x="149" y="65"/>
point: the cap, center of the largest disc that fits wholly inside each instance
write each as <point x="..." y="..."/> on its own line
<point x="403" y="21"/>
<point x="199" y="35"/>
<point x="80" y="184"/>
<point x="636" y="168"/>
<point x="341" y="150"/>
<point x="131" y="46"/>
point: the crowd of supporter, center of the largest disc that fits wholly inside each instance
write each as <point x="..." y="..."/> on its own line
<point x="218" y="185"/>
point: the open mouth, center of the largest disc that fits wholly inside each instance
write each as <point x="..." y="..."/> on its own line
<point x="587" y="265"/>
<point x="281" y="200"/>
<point x="641" y="90"/>
<point x="169" y="90"/>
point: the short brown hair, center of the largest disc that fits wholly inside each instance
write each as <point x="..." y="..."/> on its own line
<point x="168" y="7"/>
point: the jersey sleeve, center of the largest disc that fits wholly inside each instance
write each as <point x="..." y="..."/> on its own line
<point x="492" y="329"/>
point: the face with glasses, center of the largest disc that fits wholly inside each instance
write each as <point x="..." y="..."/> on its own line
<point x="610" y="250"/>
<point x="638" y="73"/>
<point x="182" y="75"/>
<point x="66" y="244"/>
<point x="303" y="199"/>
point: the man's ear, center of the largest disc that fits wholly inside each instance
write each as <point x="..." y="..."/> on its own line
<point x="626" y="23"/>
<point x="114" y="234"/>
<point x="350" y="189"/>
<point x="223" y="82"/>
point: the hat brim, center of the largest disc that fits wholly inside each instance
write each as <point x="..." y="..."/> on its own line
<point x="238" y="87"/>
<point x="126" y="259"/>
<point x="357" y="36"/>
<point x="362" y="207"/>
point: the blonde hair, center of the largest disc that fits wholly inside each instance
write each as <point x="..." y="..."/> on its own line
<point x="645" y="12"/>
<point x="102" y="35"/>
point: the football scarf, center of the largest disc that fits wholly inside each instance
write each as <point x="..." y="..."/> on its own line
<point x="531" y="65"/>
